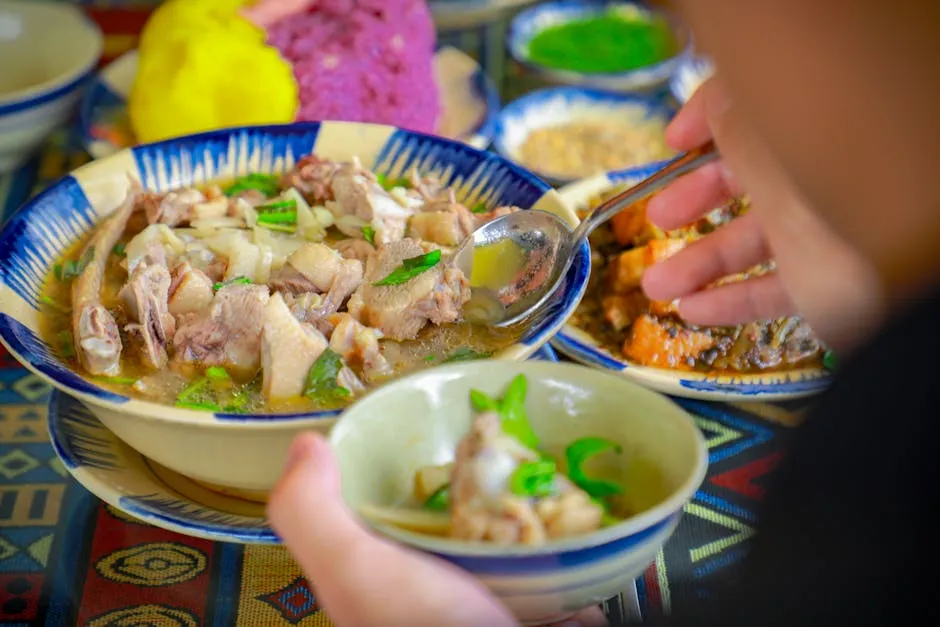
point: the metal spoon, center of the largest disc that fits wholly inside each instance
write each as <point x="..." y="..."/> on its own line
<point x="534" y="249"/>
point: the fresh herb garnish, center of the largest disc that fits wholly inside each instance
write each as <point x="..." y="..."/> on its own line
<point x="389" y="184"/>
<point x="278" y="205"/>
<point x="410" y="268"/>
<point x="465" y="354"/>
<point x="116" y="380"/>
<point x="218" y="374"/>
<point x="71" y="269"/>
<point x="277" y="217"/>
<point x="203" y="406"/>
<point x="322" y="385"/>
<point x="241" y="280"/>
<point x="368" y="233"/>
<point x="511" y="410"/>
<point x="267" y="184"/>
<point x="577" y="454"/>
<point x="120" y="250"/>
<point x="194" y="393"/>
<point x="66" y="345"/>
<point x="201" y="393"/>
<point x="48" y="301"/>
<point x="829" y="360"/>
<point x="430" y="358"/>
<point x="480" y="207"/>
<point x="533" y="479"/>
<point x="440" y="500"/>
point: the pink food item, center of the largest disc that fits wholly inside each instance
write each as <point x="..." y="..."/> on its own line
<point x="363" y="61"/>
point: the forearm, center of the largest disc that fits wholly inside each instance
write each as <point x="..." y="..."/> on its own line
<point x="844" y="92"/>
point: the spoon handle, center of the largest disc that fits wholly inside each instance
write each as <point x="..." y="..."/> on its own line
<point x="682" y="164"/>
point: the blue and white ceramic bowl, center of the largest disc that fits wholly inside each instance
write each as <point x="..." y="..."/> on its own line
<point x="383" y="440"/>
<point x="555" y="106"/>
<point x="238" y="452"/>
<point x="651" y="79"/>
<point x="579" y="345"/>
<point x="148" y="492"/>
<point x="692" y="72"/>
<point x="49" y="52"/>
<point x="469" y="101"/>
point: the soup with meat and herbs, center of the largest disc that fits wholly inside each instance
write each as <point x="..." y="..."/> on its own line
<point x="271" y="293"/>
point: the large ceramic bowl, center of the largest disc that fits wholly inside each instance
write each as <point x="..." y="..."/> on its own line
<point x="651" y="79"/>
<point x="384" y="439"/>
<point x="239" y="452"/>
<point x="49" y="50"/>
<point x="579" y="345"/>
<point x="469" y="103"/>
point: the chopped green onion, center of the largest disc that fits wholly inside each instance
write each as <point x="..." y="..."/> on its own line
<point x="430" y="358"/>
<point x="66" y="345"/>
<point x="389" y="184"/>
<point x="241" y="280"/>
<point x="577" y="454"/>
<point x="368" y="233"/>
<point x="71" y="269"/>
<point x="119" y="250"/>
<point x="267" y="184"/>
<point x="217" y="373"/>
<point x="465" y="354"/>
<point x="608" y="519"/>
<point x="512" y="411"/>
<point x="322" y="385"/>
<point x="440" y="500"/>
<point x="829" y="360"/>
<point x="533" y="479"/>
<point x="205" y="406"/>
<point x="480" y="207"/>
<point x="482" y="401"/>
<point x="194" y="392"/>
<point x="278" y="205"/>
<point x="277" y="217"/>
<point x="46" y="300"/>
<point x="410" y="268"/>
<point x="116" y="380"/>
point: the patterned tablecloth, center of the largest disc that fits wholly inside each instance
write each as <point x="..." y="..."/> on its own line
<point x="67" y="559"/>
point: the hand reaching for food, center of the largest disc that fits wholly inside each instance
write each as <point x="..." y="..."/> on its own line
<point x="816" y="274"/>
<point x="341" y="558"/>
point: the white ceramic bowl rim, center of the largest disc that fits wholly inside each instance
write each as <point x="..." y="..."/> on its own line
<point x="86" y="391"/>
<point x="84" y="60"/>
<point x="630" y="531"/>
<point x="578" y="9"/>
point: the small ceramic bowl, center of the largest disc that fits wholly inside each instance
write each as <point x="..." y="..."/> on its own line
<point x="382" y="440"/>
<point x="234" y="453"/>
<point x="56" y="48"/>
<point x="563" y="105"/>
<point x="651" y="79"/>
<point x="692" y="72"/>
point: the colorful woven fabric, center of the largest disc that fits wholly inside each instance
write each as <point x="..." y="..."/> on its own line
<point x="67" y="559"/>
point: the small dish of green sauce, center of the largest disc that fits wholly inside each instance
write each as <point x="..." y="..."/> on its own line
<point x="619" y="39"/>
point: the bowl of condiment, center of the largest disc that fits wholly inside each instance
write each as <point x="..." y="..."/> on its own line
<point x="49" y="51"/>
<point x="616" y="46"/>
<point x="554" y="484"/>
<point x="568" y="133"/>
<point x="211" y="296"/>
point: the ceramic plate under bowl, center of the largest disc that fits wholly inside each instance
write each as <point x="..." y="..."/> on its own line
<point x="691" y="73"/>
<point x="563" y="105"/>
<point x="145" y="490"/>
<point x="580" y="346"/>
<point x="469" y="99"/>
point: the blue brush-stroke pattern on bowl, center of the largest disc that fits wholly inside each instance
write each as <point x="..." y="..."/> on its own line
<point x="528" y="23"/>
<point x="561" y="105"/>
<point x="690" y="74"/>
<point x="35" y="237"/>
<point x="81" y="441"/>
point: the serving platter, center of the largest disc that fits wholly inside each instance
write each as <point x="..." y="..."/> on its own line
<point x="470" y="103"/>
<point x="148" y="492"/>
<point x="580" y="346"/>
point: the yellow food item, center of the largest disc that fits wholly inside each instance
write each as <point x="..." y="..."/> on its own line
<point x="202" y="67"/>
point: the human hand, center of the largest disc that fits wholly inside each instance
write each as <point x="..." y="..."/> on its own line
<point x="817" y="276"/>
<point x="362" y="579"/>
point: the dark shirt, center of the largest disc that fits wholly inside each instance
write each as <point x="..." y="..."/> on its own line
<point x="846" y="534"/>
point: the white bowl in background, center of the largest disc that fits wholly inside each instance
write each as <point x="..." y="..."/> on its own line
<point x="48" y="50"/>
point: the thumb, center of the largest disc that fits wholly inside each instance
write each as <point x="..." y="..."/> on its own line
<point x="307" y="511"/>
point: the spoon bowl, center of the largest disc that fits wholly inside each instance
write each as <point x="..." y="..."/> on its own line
<point x="517" y="261"/>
